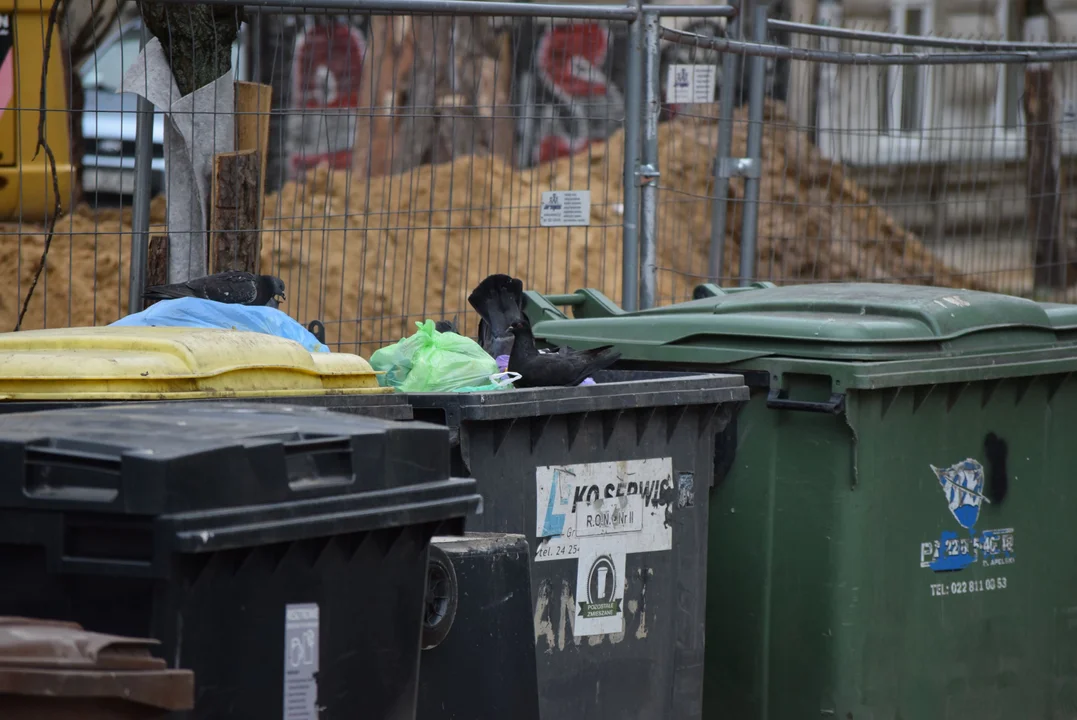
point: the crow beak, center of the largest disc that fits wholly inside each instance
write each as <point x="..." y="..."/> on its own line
<point x="279" y="297"/>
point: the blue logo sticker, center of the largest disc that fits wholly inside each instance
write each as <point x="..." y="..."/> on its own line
<point x="554" y="524"/>
<point x="963" y="487"/>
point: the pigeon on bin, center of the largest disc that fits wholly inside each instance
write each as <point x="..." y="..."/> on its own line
<point x="499" y="301"/>
<point x="233" y="287"/>
<point x="565" y="367"/>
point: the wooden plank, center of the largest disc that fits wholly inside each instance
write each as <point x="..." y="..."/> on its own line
<point x="234" y="234"/>
<point x="254" y="102"/>
<point x="387" y="73"/>
<point x="1044" y="180"/>
<point x="504" y="130"/>
<point x="156" y="263"/>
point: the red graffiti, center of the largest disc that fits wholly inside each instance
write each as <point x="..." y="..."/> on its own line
<point x="339" y="160"/>
<point x="570" y="58"/>
<point x="552" y="147"/>
<point x="326" y="77"/>
<point x="328" y="67"/>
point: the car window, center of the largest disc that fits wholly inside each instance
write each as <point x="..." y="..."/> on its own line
<point x="105" y="68"/>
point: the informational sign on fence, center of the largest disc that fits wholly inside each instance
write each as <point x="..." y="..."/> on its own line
<point x="690" y="84"/>
<point x="565" y="208"/>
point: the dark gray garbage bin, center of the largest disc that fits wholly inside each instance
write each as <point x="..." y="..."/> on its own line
<point x="609" y="484"/>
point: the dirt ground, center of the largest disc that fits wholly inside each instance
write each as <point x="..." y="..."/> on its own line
<point x="370" y="258"/>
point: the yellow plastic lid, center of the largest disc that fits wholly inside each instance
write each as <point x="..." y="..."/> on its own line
<point x="140" y="363"/>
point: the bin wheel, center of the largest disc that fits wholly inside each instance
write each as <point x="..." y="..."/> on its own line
<point x="441" y="598"/>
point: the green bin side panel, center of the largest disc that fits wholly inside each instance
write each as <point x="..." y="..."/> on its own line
<point x="819" y="603"/>
<point x="787" y="480"/>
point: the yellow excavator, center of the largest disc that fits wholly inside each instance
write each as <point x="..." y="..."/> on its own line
<point x="26" y="182"/>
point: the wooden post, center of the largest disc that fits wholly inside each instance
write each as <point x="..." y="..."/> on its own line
<point x="238" y="184"/>
<point x="234" y="212"/>
<point x="387" y="70"/>
<point x="1044" y="168"/>
<point x="156" y="263"/>
<point x="504" y="129"/>
<point x="254" y="103"/>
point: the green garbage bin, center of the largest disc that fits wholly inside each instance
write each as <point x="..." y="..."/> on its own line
<point x="889" y="541"/>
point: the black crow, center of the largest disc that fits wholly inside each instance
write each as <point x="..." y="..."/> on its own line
<point x="566" y="367"/>
<point x="444" y="326"/>
<point x="499" y="301"/>
<point x="233" y="287"/>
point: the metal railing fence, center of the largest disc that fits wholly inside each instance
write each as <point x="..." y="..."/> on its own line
<point x="416" y="146"/>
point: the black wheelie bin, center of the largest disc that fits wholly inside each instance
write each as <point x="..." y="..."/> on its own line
<point x="278" y="552"/>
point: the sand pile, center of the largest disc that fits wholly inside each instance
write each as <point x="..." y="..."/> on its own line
<point x="87" y="272"/>
<point x="369" y="259"/>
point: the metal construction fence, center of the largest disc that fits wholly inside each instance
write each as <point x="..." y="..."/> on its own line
<point x="406" y="150"/>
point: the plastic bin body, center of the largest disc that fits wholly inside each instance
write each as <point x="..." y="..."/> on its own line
<point x="26" y="185"/>
<point x="637" y="459"/>
<point x="279" y="553"/>
<point x="86" y="367"/>
<point x="858" y="566"/>
<point x="484" y="667"/>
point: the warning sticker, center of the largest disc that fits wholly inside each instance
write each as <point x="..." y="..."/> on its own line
<point x="622" y="504"/>
<point x="600" y="587"/>
<point x="301" y="662"/>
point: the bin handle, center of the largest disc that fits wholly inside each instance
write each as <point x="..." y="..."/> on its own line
<point x="779" y="400"/>
<point x="38" y="485"/>
<point x="304" y="475"/>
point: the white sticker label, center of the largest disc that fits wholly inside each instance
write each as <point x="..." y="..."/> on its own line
<point x="600" y="591"/>
<point x="301" y="662"/>
<point x="621" y="505"/>
<point x="621" y="515"/>
<point x="565" y="208"/>
<point x="690" y="84"/>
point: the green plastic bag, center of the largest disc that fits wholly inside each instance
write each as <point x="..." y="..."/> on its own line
<point x="430" y="361"/>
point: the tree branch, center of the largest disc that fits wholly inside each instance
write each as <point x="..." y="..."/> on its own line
<point x="43" y="144"/>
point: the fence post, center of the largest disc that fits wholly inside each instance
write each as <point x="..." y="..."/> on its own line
<point x="630" y="180"/>
<point x="722" y="170"/>
<point x="756" y="92"/>
<point x="648" y="172"/>
<point x="826" y="92"/>
<point x="140" y="209"/>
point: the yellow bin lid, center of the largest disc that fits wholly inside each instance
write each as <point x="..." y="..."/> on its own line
<point x="140" y="363"/>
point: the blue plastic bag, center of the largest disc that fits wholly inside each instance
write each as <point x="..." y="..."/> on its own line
<point x="199" y="313"/>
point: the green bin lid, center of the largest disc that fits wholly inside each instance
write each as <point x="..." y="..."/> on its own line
<point x="887" y="331"/>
